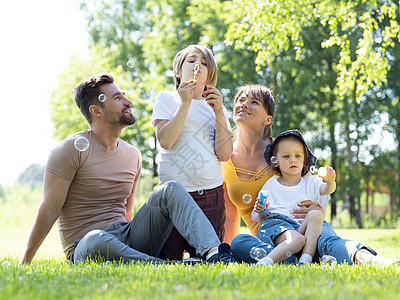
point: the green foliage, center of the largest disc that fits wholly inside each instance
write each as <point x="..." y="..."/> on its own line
<point x="23" y="194"/>
<point x="143" y="192"/>
<point x="344" y="220"/>
<point x="333" y="66"/>
<point x="19" y="203"/>
<point x="65" y="115"/>
<point x="361" y="29"/>
<point x="2" y="195"/>
<point x="67" y="118"/>
<point x="33" y="175"/>
<point x="150" y="35"/>
<point x="328" y="61"/>
<point x="143" y="37"/>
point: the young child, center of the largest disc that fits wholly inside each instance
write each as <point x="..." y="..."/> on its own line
<point x="194" y="135"/>
<point x="290" y="155"/>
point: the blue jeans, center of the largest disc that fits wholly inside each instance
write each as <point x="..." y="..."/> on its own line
<point x="274" y="225"/>
<point x="143" y="238"/>
<point x="328" y="244"/>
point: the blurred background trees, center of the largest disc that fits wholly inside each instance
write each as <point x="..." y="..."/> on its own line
<point x="333" y="66"/>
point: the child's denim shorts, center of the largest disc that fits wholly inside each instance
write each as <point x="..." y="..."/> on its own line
<point x="274" y="225"/>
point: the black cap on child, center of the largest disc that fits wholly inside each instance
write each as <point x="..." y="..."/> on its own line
<point x="269" y="151"/>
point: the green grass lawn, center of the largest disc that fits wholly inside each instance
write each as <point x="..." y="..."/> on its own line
<point x="51" y="277"/>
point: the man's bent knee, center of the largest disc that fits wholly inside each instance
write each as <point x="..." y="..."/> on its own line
<point x="96" y="239"/>
<point x="93" y="244"/>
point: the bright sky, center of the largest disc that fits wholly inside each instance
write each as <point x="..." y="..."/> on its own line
<point x="37" y="41"/>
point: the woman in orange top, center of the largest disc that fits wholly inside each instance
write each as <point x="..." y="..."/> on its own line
<point x="247" y="171"/>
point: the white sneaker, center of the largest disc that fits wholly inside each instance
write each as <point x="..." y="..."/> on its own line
<point x="383" y="261"/>
<point x="365" y="257"/>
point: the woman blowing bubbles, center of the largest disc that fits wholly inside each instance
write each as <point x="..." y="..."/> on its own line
<point x="246" y="173"/>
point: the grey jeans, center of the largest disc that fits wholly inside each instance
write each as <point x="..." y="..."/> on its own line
<point x="143" y="238"/>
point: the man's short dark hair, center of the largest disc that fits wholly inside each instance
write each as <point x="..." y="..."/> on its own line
<point x="87" y="93"/>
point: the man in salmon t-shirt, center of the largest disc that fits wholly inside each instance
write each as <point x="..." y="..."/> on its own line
<point x="89" y="187"/>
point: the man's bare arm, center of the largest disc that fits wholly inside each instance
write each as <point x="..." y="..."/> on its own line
<point x="54" y="195"/>
<point x="129" y="201"/>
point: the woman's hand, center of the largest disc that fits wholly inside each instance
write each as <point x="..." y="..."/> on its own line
<point x="304" y="208"/>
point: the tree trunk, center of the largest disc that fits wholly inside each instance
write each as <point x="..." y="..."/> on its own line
<point x="373" y="204"/>
<point x="352" y="206"/>
<point x="358" y="212"/>
<point x="398" y="166"/>
<point x="333" y="147"/>
<point x="392" y="206"/>
<point x="349" y="160"/>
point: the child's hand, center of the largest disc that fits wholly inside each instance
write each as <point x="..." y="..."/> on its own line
<point x="258" y="207"/>
<point x="330" y="175"/>
<point x="185" y="89"/>
<point x="213" y="97"/>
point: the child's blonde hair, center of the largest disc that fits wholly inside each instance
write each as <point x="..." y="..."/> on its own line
<point x="207" y="55"/>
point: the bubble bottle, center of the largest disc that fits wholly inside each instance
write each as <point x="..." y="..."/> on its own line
<point x="263" y="199"/>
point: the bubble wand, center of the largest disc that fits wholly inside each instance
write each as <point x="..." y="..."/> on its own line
<point x="195" y="71"/>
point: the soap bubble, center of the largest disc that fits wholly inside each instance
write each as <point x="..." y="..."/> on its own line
<point x="247" y="198"/>
<point x="257" y="253"/>
<point x="178" y="288"/>
<point x="6" y="263"/>
<point x="322" y="172"/>
<point x="130" y="63"/>
<point x="288" y="254"/>
<point x="102" y="97"/>
<point x="223" y="272"/>
<point x="81" y="143"/>
<point x="274" y="159"/>
<point x="328" y="260"/>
